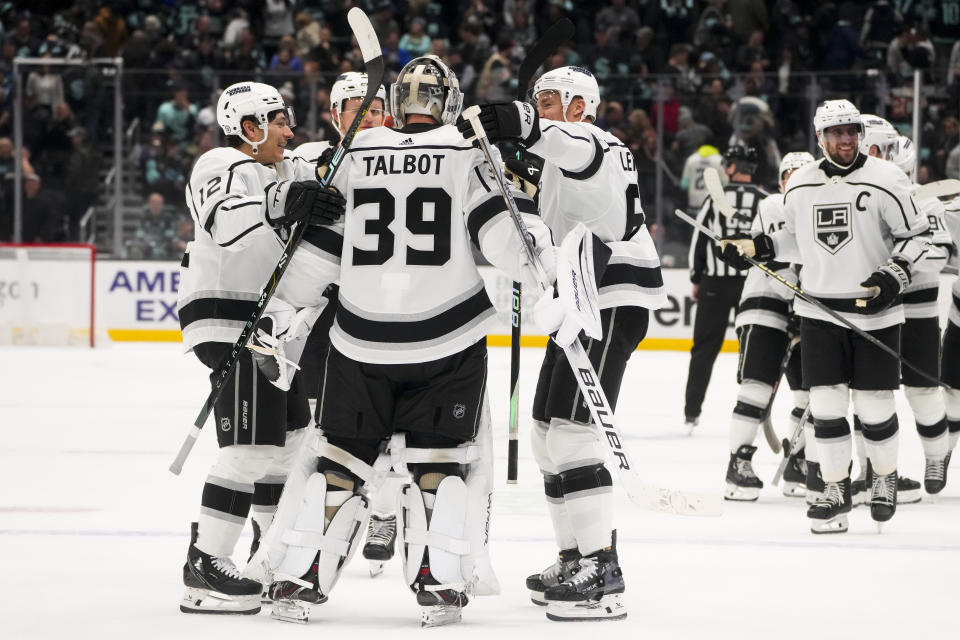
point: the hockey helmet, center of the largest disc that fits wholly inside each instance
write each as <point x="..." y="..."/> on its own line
<point x="428" y="87"/>
<point x="877" y="132"/>
<point x="570" y="83"/>
<point x="834" y="113"/>
<point x="250" y="99"/>
<point x="794" y="160"/>
<point x="744" y="157"/>
<point x="903" y="153"/>
<point x="352" y="84"/>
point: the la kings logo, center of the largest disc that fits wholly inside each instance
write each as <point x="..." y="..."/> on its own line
<point x="832" y="226"/>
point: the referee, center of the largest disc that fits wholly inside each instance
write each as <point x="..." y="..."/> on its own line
<point x="716" y="285"/>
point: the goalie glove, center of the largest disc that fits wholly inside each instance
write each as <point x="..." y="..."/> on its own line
<point x="581" y="260"/>
<point x="884" y="285"/>
<point x="524" y="176"/>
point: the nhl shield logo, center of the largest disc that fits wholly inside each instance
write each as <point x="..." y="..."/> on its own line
<point x="225" y="424"/>
<point x="459" y="411"/>
<point x="832" y="226"/>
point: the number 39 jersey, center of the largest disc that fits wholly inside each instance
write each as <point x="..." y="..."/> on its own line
<point x="589" y="177"/>
<point x="417" y="199"/>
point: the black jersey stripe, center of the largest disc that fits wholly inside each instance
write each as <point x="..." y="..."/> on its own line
<point x="849" y="305"/>
<point x="355" y="150"/>
<point x="489" y="209"/>
<point x="764" y="303"/>
<point x="620" y="274"/>
<point x="241" y="234"/>
<point x="216" y="309"/>
<point x="592" y="168"/>
<point x="325" y="239"/>
<point x="420" y="330"/>
<point x="921" y="296"/>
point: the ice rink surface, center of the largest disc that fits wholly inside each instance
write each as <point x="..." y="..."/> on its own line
<point x="94" y="529"/>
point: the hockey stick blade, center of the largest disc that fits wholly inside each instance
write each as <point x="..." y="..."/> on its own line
<point x="938" y="189"/>
<point x="792" y="445"/>
<point x="768" y="433"/>
<point x="810" y="299"/>
<point x="374" y="64"/>
<point x="711" y="179"/>
<point x="588" y="381"/>
<point x="559" y="33"/>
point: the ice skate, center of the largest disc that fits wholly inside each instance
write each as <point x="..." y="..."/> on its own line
<point x="742" y="483"/>
<point x="593" y="592"/>
<point x="690" y="423"/>
<point x="381" y="538"/>
<point x="795" y="475"/>
<point x="438" y="606"/>
<point x="829" y="513"/>
<point x="859" y="491"/>
<point x="908" y="490"/>
<point x="293" y="597"/>
<point x="214" y="585"/>
<point x="883" y="497"/>
<point x="934" y="475"/>
<point x="568" y="561"/>
<point x="814" y="482"/>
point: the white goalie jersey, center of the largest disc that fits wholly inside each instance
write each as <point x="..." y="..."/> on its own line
<point x="841" y="226"/>
<point x="417" y="199"/>
<point x="764" y="300"/>
<point x="589" y="177"/>
<point x="234" y="249"/>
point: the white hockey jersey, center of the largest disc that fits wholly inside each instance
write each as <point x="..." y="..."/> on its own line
<point x="589" y="177"/>
<point x="234" y="249"/>
<point x="764" y="300"/>
<point x="417" y="198"/>
<point x="952" y="217"/>
<point x="841" y="225"/>
<point x="920" y="296"/>
<point x="692" y="177"/>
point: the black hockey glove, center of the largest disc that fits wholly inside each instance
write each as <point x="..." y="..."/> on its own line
<point x="307" y="200"/>
<point x="525" y="176"/>
<point x="735" y="249"/>
<point x="323" y="162"/>
<point x="884" y="285"/>
<point x="505" y="121"/>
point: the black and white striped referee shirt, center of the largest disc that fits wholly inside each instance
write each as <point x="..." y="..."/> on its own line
<point x="704" y="256"/>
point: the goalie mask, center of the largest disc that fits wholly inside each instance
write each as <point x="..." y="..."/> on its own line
<point x="570" y="83"/>
<point x="351" y="84"/>
<point x="250" y="99"/>
<point x="833" y="113"/>
<point x="877" y="132"/>
<point x="427" y="87"/>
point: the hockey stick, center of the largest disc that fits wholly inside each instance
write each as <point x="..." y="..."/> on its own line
<point x="647" y="496"/>
<point x="768" y="433"/>
<point x="938" y="189"/>
<point x="711" y="180"/>
<point x="558" y="33"/>
<point x="805" y="296"/>
<point x="373" y="61"/>
<point x="791" y="445"/>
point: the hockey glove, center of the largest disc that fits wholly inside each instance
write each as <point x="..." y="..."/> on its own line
<point x="734" y="250"/>
<point x="308" y="201"/>
<point x="525" y="176"/>
<point x="505" y="121"/>
<point x="884" y="285"/>
<point x="323" y="162"/>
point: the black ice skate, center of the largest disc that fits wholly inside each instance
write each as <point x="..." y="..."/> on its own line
<point x="438" y="606"/>
<point x="293" y="597"/>
<point x="381" y="538"/>
<point x="935" y="475"/>
<point x="814" y="482"/>
<point x="859" y="489"/>
<point x="795" y="475"/>
<point x="883" y="497"/>
<point x="568" y="561"/>
<point x="594" y="592"/>
<point x="214" y="585"/>
<point x="690" y="423"/>
<point x="829" y="513"/>
<point x="908" y="490"/>
<point x="742" y="482"/>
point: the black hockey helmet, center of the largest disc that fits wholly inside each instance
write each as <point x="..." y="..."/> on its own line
<point x="744" y="157"/>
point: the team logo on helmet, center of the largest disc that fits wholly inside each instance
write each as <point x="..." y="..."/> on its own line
<point x="833" y="226"/>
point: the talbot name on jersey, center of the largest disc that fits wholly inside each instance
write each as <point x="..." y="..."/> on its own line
<point x="424" y="163"/>
<point x="832" y="226"/>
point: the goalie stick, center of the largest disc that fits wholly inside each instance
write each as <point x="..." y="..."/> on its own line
<point x="790" y="445"/>
<point x="645" y="495"/>
<point x="373" y="61"/>
<point x="804" y="295"/>
<point x="559" y="33"/>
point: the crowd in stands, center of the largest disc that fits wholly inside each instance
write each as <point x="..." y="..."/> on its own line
<point x="675" y="75"/>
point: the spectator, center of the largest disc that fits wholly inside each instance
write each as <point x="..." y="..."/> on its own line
<point x="676" y="17"/>
<point x="46" y="86"/>
<point x="713" y="28"/>
<point x="158" y="232"/>
<point x="177" y="115"/>
<point x="950" y="138"/>
<point x="645" y="57"/>
<point x="617" y="20"/>
<point x="278" y="19"/>
<point x="82" y="178"/>
<point x="6" y="112"/>
<point x="42" y="212"/>
<point x="678" y="66"/>
<point x="909" y="51"/>
<point x="393" y="55"/>
<point x="416" y="41"/>
<point x="496" y="79"/>
<point x="238" y="22"/>
<point x="308" y="33"/>
<point x="247" y="55"/>
<point x="466" y="74"/>
<point x="383" y="22"/>
<point x="113" y="29"/>
<point x="286" y="60"/>
<point x="952" y="169"/>
<point x="881" y="24"/>
<point x="752" y="52"/>
<point x="953" y="66"/>
<point x="326" y="55"/>
<point x="842" y="47"/>
<point x="691" y="135"/>
<point x="524" y="30"/>
<point x="167" y="173"/>
<point x="747" y="17"/>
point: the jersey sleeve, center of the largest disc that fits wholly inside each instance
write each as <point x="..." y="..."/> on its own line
<point x="315" y="264"/>
<point x="938" y="244"/>
<point x="223" y="205"/>
<point x="570" y="146"/>
<point x="785" y="245"/>
<point x="488" y="220"/>
<point x="908" y="226"/>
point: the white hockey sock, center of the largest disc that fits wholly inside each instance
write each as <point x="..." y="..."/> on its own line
<point x="588" y="496"/>
<point x="752" y="399"/>
<point x="562" y="530"/>
<point x="810" y="440"/>
<point x="859" y="445"/>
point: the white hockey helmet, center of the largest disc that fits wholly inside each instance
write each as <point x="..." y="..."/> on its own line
<point x="903" y="153"/>
<point x="877" y="132"/>
<point x="833" y="113"/>
<point x="794" y="160"/>
<point x="250" y="99"/>
<point x="570" y="83"/>
<point x="428" y="87"/>
<point x="352" y="84"/>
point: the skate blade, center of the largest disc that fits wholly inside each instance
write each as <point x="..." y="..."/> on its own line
<point x="741" y="494"/>
<point x="536" y="597"/>
<point x="297" y="611"/>
<point x="439" y="615"/>
<point x="205" y="601"/>
<point x="909" y="497"/>
<point x="609" y="607"/>
<point x="376" y="568"/>
<point x="793" y="490"/>
<point x="813" y="496"/>
<point x="834" y="525"/>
